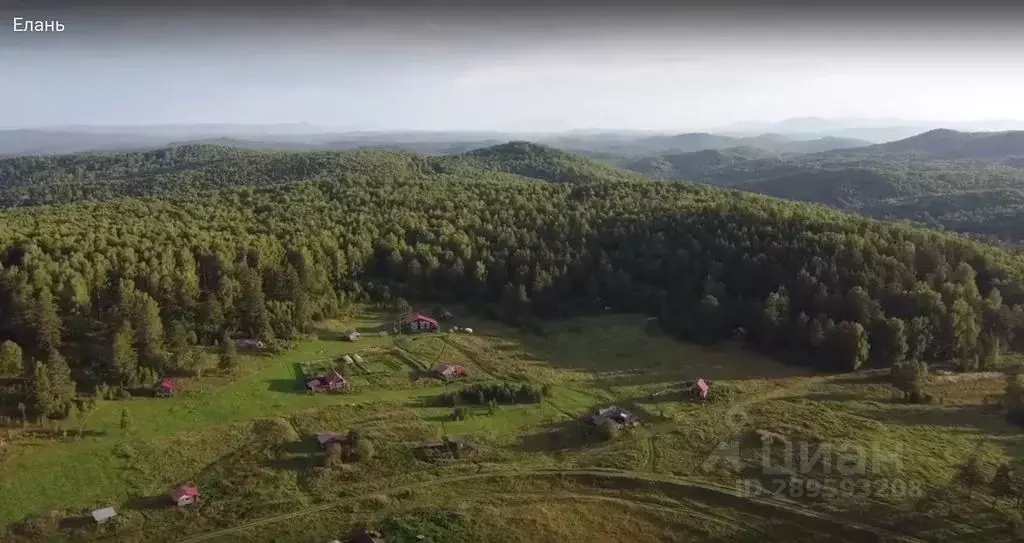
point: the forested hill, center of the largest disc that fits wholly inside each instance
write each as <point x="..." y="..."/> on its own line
<point x="878" y="180"/>
<point x="38" y="180"/>
<point x="953" y="145"/>
<point x="114" y="292"/>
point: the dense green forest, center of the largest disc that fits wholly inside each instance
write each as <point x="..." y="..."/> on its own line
<point x="116" y="292"/>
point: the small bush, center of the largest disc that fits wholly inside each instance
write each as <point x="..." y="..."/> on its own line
<point x="123" y="394"/>
<point x="608" y="430"/>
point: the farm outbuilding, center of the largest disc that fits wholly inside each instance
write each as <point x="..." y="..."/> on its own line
<point x="185" y="495"/>
<point x="329" y="382"/>
<point x="326" y="438"/>
<point x="419" y="323"/>
<point x="103" y="515"/>
<point x="613" y="413"/>
<point x="165" y="387"/>
<point x="449" y="371"/>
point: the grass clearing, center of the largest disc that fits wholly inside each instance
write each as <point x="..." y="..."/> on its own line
<point x="247" y="441"/>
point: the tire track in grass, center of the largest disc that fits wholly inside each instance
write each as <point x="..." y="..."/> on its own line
<point x="840" y="528"/>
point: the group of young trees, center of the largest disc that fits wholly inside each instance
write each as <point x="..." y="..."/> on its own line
<point x="497" y="393"/>
<point x="117" y="292"/>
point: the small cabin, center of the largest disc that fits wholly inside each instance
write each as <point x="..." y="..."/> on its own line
<point x="185" y="495"/>
<point x="327" y="383"/>
<point x="103" y="515"/>
<point x="702" y="389"/>
<point x="613" y="413"/>
<point x="165" y="387"/>
<point x="351" y="335"/>
<point x="419" y="323"/>
<point x="324" y="439"/>
<point x="449" y="371"/>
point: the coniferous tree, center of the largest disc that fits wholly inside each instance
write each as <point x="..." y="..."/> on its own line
<point x="124" y="361"/>
<point x="10" y="359"/>
<point x="227" y="358"/>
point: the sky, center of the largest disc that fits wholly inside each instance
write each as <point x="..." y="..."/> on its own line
<point x="523" y="67"/>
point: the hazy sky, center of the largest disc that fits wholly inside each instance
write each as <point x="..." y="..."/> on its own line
<point x="532" y="68"/>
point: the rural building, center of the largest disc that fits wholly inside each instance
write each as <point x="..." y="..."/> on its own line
<point x="185" y="495"/>
<point x="613" y="413"/>
<point x="103" y="515"/>
<point x="419" y="323"/>
<point x="702" y="389"/>
<point x="165" y="387"/>
<point x="449" y="371"/>
<point x="442" y="448"/>
<point x="326" y="438"/>
<point x="249" y="344"/>
<point x="329" y="382"/>
<point x="351" y="335"/>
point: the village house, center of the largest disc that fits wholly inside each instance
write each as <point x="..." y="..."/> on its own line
<point x="327" y="383"/>
<point x="324" y="439"/>
<point x="440" y="448"/>
<point x="103" y="515"/>
<point x="702" y="389"/>
<point x="185" y="495"/>
<point x="449" y="371"/>
<point x="165" y="387"/>
<point x="613" y="413"/>
<point x="419" y="323"/>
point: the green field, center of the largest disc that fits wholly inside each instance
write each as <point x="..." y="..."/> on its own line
<point x="533" y="472"/>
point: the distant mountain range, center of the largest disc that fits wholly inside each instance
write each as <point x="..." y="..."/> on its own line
<point x="873" y="130"/>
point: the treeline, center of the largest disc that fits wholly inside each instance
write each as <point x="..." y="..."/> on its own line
<point x="117" y="292"/>
<point x="496" y="393"/>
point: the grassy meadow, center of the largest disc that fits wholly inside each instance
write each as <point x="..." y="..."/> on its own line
<point x="532" y="472"/>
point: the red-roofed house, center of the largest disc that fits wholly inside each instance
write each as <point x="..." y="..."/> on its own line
<point x="449" y="371"/>
<point x="331" y="381"/>
<point x="420" y="323"/>
<point x="185" y="495"/>
<point x="702" y="389"/>
<point x="165" y="387"/>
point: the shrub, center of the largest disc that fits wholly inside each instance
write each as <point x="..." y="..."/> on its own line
<point x="608" y="430"/>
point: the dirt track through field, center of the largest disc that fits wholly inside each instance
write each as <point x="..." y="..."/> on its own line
<point x="840" y="528"/>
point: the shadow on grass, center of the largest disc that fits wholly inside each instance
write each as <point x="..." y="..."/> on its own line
<point x="981" y="417"/>
<point x="293" y="386"/>
<point x="76" y="522"/>
<point x="148" y="503"/>
<point x="571" y="435"/>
